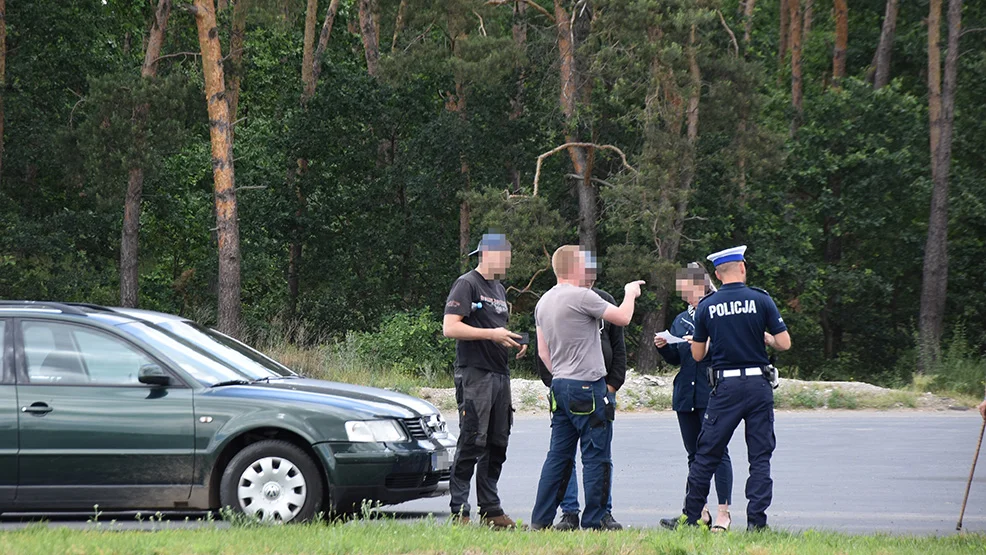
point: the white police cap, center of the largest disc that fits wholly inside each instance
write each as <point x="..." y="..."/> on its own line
<point x="734" y="254"/>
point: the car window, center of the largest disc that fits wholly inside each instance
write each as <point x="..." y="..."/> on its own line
<point x="199" y="364"/>
<point x="227" y="349"/>
<point x="3" y="345"/>
<point x="68" y="354"/>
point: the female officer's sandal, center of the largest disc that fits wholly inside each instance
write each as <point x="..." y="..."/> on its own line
<point x="719" y="527"/>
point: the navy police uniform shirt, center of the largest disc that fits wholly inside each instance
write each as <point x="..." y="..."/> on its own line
<point x="691" y="383"/>
<point x="735" y="318"/>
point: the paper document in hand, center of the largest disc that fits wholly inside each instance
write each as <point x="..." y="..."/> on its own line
<point x="666" y="335"/>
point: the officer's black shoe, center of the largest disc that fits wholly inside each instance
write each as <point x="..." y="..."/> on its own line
<point x="568" y="522"/>
<point x="535" y="526"/>
<point x="674" y="523"/>
<point x="750" y="527"/>
<point x="609" y="523"/>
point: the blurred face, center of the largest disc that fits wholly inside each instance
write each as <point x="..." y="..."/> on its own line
<point x="590" y="268"/>
<point x="496" y="261"/>
<point x="691" y="292"/>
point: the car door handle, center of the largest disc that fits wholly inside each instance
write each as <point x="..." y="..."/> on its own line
<point x="38" y="408"/>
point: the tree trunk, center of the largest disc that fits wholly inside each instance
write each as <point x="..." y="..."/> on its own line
<point x="227" y="226"/>
<point x="647" y="356"/>
<point x="676" y="189"/>
<point x="236" y="37"/>
<point x="323" y="39"/>
<point x="841" y="41"/>
<point x="934" y="282"/>
<point x="880" y="72"/>
<point x="370" y="36"/>
<point x="784" y="31"/>
<point x="3" y="74"/>
<point x="934" y="80"/>
<point x="569" y="97"/>
<point x="308" y="52"/>
<point x="519" y="31"/>
<point x="130" y="234"/>
<point x="806" y="20"/>
<point x="748" y="8"/>
<point x="830" y="322"/>
<point x="399" y="24"/>
<point x="796" y="81"/>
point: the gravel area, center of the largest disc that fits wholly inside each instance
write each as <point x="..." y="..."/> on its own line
<point x="645" y="392"/>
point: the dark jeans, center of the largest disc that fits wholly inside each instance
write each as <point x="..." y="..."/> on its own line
<point x="570" y="504"/>
<point x="581" y="415"/>
<point x="743" y="398"/>
<point x="690" y="424"/>
<point x="485" y="418"/>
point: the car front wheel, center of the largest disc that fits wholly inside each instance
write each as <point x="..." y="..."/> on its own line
<point x="272" y="481"/>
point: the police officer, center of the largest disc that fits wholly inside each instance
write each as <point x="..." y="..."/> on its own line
<point x="691" y="386"/>
<point x="736" y="323"/>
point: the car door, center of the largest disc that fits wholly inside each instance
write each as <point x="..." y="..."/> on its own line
<point x="90" y="433"/>
<point x="8" y="416"/>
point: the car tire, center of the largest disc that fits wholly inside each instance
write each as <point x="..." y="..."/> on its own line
<point x="272" y="481"/>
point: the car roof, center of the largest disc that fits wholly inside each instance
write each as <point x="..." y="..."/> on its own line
<point x="151" y="316"/>
<point x="108" y="315"/>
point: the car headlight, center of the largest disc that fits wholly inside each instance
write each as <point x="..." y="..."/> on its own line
<point x="375" y="430"/>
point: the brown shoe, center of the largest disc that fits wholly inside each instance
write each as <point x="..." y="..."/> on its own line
<point x="460" y="519"/>
<point x="502" y="522"/>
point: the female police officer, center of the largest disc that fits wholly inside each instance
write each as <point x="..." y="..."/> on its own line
<point x="691" y="385"/>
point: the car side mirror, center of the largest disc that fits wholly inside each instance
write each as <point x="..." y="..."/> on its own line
<point x="152" y="374"/>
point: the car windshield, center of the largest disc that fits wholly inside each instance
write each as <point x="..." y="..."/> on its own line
<point x="246" y="360"/>
<point x="203" y="366"/>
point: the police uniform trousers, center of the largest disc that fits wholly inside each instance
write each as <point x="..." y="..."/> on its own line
<point x="741" y="398"/>
<point x="485" y="418"/>
<point x="582" y="414"/>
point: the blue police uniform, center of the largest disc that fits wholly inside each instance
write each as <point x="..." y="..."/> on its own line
<point x="735" y="319"/>
<point x="691" y="397"/>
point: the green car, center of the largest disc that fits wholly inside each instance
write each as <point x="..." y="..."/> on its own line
<point x="142" y="411"/>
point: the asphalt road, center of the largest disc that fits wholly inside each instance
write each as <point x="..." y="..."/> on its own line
<point x="855" y="472"/>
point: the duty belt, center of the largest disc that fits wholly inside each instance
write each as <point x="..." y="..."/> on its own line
<point x="737" y="372"/>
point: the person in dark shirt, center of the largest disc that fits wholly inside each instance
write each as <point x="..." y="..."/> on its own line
<point x="476" y="314"/>
<point x="615" y="357"/>
<point x="691" y="385"/>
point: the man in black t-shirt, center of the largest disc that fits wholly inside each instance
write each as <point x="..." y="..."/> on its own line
<point x="476" y="316"/>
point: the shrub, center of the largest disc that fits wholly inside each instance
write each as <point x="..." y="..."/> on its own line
<point x="410" y="342"/>
<point x="961" y="369"/>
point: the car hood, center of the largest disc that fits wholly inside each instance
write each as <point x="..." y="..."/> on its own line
<point x="373" y="395"/>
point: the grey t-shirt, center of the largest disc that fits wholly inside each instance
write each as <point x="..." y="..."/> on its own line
<point x="569" y="318"/>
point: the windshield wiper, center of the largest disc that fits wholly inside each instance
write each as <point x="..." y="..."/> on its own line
<point x="231" y="382"/>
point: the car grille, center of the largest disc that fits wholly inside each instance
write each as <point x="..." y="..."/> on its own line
<point x="411" y="481"/>
<point x="415" y="428"/>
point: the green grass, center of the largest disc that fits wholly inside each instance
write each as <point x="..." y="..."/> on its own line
<point x="432" y="537"/>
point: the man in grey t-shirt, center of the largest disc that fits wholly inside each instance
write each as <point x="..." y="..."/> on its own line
<point x="567" y="319"/>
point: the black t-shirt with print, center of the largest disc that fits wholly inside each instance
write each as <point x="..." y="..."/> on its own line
<point x="483" y="304"/>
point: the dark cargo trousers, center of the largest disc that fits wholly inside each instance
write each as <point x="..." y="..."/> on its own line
<point x="485" y="418"/>
<point x="742" y="398"/>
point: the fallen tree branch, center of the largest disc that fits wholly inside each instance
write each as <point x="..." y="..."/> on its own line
<point x="557" y="149"/>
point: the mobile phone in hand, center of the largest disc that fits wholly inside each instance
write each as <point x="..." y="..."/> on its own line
<point x="524" y="338"/>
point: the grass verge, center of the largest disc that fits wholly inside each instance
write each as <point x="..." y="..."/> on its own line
<point x="430" y="537"/>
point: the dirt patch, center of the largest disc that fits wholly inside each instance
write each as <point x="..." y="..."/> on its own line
<point x="645" y="392"/>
